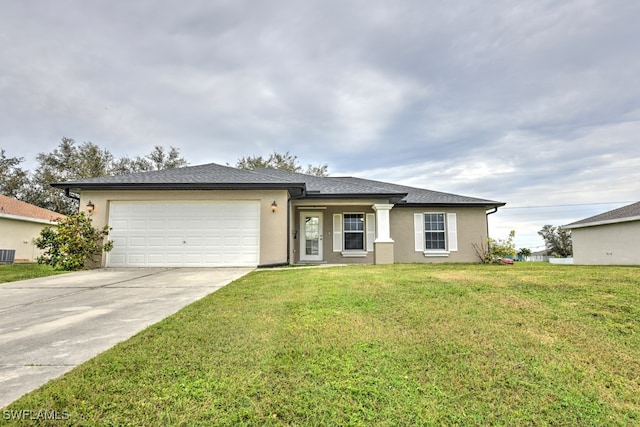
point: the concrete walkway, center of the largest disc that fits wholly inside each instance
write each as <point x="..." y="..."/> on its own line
<point x="50" y="325"/>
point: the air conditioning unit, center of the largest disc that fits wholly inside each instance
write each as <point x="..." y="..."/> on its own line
<point x="7" y="256"/>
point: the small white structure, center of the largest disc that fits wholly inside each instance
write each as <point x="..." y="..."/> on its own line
<point x="564" y="261"/>
<point x="539" y="256"/>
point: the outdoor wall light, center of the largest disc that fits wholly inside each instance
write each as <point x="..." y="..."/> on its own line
<point x="90" y="206"/>
<point x="274" y="207"/>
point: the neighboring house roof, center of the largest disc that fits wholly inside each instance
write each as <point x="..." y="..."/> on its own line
<point x="623" y="214"/>
<point x="215" y="176"/>
<point x="542" y="252"/>
<point x="16" y="208"/>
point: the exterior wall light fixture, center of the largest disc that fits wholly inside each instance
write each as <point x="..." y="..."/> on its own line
<point x="274" y="206"/>
<point x="90" y="206"/>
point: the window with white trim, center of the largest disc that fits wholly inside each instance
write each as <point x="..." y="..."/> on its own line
<point x="434" y="232"/>
<point x="353" y="231"/>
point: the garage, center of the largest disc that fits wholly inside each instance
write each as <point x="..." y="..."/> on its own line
<point x="184" y="233"/>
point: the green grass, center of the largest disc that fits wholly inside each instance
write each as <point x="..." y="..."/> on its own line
<point x="530" y="344"/>
<point x="14" y="272"/>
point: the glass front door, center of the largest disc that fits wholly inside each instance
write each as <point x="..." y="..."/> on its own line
<point x="311" y="236"/>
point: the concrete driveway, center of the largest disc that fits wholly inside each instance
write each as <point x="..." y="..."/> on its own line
<point x="50" y="325"/>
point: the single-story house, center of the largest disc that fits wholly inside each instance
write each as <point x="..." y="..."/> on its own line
<point x="610" y="238"/>
<point x="20" y="225"/>
<point x="214" y="215"/>
<point x="539" y="256"/>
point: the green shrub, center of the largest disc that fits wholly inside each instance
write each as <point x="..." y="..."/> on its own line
<point x="496" y="249"/>
<point x="74" y="244"/>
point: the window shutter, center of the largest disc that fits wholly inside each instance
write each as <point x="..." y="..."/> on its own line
<point x="337" y="233"/>
<point x="418" y="230"/>
<point x="452" y="232"/>
<point x="371" y="231"/>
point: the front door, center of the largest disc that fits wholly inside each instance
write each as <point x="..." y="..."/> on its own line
<point x="311" y="239"/>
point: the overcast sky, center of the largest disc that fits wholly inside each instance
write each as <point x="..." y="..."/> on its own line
<point x="534" y="103"/>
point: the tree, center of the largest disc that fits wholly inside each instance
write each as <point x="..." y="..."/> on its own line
<point x="66" y="162"/>
<point x="158" y="159"/>
<point x="496" y="249"/>
<point x="74" y="244"/>
<point x="524" y="253"/>
<point x="286" y="161"/>
<point x="320" y="170"/>
<point x="71" y="161"/>
<point x="557" y="240"/>
<point x="13" y="179"/>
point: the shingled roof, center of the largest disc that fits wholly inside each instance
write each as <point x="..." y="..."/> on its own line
<point x="215" y="176"/>
<point x="209" y="174"/>
<point x="11" y="206"/>
<point x="347" y="186"/>
<point x="623" y="214"/>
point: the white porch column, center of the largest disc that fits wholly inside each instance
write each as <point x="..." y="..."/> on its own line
<point x="383" y="229"/>
<point x="383" y="244"/>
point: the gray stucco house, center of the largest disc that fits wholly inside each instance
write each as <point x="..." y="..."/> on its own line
<point x="611" y="237"/>
<point x="214" y="215"/>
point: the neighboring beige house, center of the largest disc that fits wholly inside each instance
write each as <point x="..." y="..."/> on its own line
<point x="214" y="215"/>
<point x="611" y="238"/>
<point x="20" y="224"/>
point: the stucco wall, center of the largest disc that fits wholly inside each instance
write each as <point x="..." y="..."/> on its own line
<point x="329" y="256"/>
<point x="471" y="226"/>
<point x="610" y="244"/>
<point x="273" y="226"/>
<point x="471" y="223"/>
<point x="19" y="235"/>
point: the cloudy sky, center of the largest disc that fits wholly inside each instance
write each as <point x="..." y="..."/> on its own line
<point x="534" y="103"/>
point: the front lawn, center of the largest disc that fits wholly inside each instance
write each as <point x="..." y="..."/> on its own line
<point x="15" y="272"/>
<point x="532" y="344"/>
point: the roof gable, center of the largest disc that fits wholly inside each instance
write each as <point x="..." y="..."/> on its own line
<point x="11" y="206"/>
<point x="626" y="213"/>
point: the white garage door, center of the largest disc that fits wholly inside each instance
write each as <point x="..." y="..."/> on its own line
<point x="184" y="234"/>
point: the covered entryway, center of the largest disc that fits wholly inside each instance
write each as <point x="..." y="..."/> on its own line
<point x="184" y="233"/>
